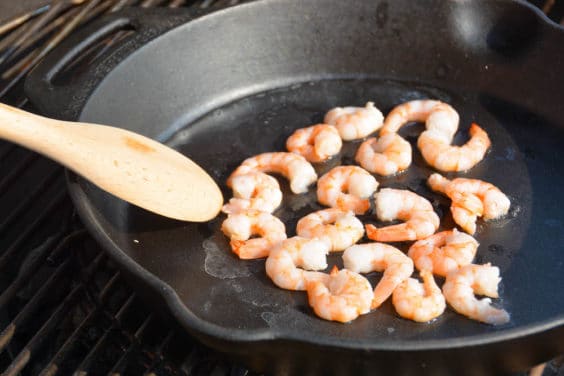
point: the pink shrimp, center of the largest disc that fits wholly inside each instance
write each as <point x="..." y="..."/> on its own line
<point x="439" y="153"/>
<point x="293" y="166"/>
<point x="343" y="297"/>
<point x="346" y="188"/>
<point x="355" y="122"/>
<point x="254" y="191"/>
<point x="316" y="143"/>
<point x="461" y="285"/>
<point x="288" y="260"/>
<point x="339" y="228"/>
<point x="417" y="301"/>
<point x="438" y="116"/>
<point x="386" y="155"/>
<point x="443" y="252"/>
<point x="241" y="226"/>
<point x="365" y="258"/>
<point x="441" y="123"/>
<point x="420" y="219"/>
<point x="471" y="198"/>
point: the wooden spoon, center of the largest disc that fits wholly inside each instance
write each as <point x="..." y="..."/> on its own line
<point x="132" y="167"/>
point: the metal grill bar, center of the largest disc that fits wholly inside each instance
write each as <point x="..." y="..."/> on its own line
<point x="159" y="352"/>
<point x="32" y="227"/>
<point x="16" y="172"/>
<point x="18" y="21"/>
<point x="31" y="198"/>
<point x="176" y="3"/>
<point x="6" y="150"/>
<point x="36" y="31"/>
<point x="120" y="4"/>
<point x="53" y="366"/>
<point x="152" y="3"/>
<point x="23" y="357"/>
<point x="110" y="285"/>
<point x="52" y="26"/>
<point x="82" y="369"/>
<point x="22" y="102"/>
<point x="34" y="27"/>
<point x="65" y="245"/>
<point x="11" y="38"/>
<point x="28" y="267"/>
<point x="25" y="314"/>
<point x="548" y="6"/>
<point x="101" y="297"/>
<point x="52" y="43"/>
<point x="88" y="273"/>
<point x="94" y="314"/>
<point x="133" y="348"/>
<point x="35" y="303"/>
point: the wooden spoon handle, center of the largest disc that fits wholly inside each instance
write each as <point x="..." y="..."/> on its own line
<point x="133" y="167"/>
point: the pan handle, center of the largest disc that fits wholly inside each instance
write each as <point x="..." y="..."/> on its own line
<point x="66" y="100"/>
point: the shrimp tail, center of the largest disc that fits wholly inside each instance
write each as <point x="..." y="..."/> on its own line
<point x="375" y="302"/>
<point x="438" y="183"/>
<point x="393" y="276"/>
<point x="249" y="250"/>
<point x="429" y="283"/>
<point x="464" y="218"/>
<point x="497" y="316"/>
<point x="399" y="232"/>
<point x="236" y="246"/>
<point x="358" y="205"/>
<point x="479" y="135"/>
<point x="382" y="292"/>
<point x="371" y="231"/>
<point x="334" y="271"/>
<point x="236" y="205"/>
<point x="469" y="201"/>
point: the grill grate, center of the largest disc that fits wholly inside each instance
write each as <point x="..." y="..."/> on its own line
<point x="64" y="308"/>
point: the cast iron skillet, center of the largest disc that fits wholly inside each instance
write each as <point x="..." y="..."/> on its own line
<point x="235" y="83"/>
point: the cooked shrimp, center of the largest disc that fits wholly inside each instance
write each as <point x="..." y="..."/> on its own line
<point x="441" y="123"/>
<point x="386" y="155"/>
<point x="285" y="259"/>
<point x="355" y="122"/>
<point x="443" y="252"/>
<point x="293" y="166"/>
<point x="417" y="301"/>
<point x="241" y="226"/>
<point x="461" y="285"/>
<point x="346" y="188"/>
<point x="420" y="219"/>
<point x="339" y="228"/>
<point x="316" y="143"/>
<point x="439" y="153"/>
<point x="471" y="198"/>
<point x="437" y="115"/>
<point x="365" y="258"/>
<point x="343" y="297"/>
<point x="254" y="191"/>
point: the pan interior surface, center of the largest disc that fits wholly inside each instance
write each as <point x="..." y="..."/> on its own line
<point x="217" y="287"/>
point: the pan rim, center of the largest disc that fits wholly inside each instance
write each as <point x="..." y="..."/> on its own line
<point x="199" y="326"/>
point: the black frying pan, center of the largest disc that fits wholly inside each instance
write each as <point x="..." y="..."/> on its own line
<point x="237" y="82"/>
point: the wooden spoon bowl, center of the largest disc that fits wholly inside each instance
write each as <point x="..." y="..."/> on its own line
<point x="132" y="167"/>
